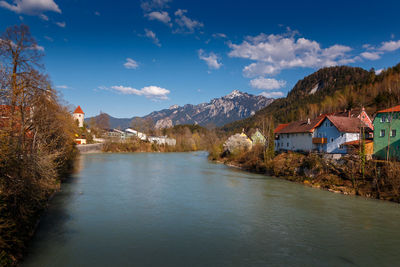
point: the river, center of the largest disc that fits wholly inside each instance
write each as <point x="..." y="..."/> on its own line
<point x="178" y="209"/>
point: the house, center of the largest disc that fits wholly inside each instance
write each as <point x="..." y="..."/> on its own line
<point x="334" y="131"/>
<point x="353" y="147"/>
<point x="6" y="121"/>
<point x="386" y="139"/>
<point x="131" y="132"/>
<point x="162" y="140"/>
<point x="297" y="135"/>
<point x="238" y="142"/>
<point x="79" y="116"/>
<point x="115" y="133"/>
<point x="357" y="113"/>
<point x="258" y="138"/>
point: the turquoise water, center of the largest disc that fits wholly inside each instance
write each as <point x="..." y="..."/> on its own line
<point x="178" y="209"/>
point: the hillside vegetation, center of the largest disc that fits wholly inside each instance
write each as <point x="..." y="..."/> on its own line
<point x="329" y="90"/>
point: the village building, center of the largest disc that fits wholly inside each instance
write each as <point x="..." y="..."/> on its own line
<point x="324" y="134"/>
<point x="79" y="116"/>
<point x="133" y="133"/>
<point x="115" y="133"/>
<point x="297" y="135"/>
<point x="162" y="140"/>
<point x="357" y="113"/>
<point x="257" y="138"/>
<point x="331" y="135"/>
<point x="386" y="137"/>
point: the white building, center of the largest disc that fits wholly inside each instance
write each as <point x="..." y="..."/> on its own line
<point x="297" y="135"/>
<point x="325" y="134"/>
<point x="162" y="140"/>
<point x="79" y="116"/>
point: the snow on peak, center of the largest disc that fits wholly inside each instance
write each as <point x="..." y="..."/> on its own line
<point x="235" y="93"/>
<point x="174" y="107"/>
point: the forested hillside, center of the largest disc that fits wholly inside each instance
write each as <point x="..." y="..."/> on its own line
<point x="329" y="90"/>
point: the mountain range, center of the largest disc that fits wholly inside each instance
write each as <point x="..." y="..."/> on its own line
<point x="219" y="111"/>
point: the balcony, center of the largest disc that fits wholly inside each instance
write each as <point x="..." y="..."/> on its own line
<point x="319" y="140"/>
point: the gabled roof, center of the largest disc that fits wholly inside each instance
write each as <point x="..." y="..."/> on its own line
<point x="347" y="125"/>
<point x="280" y="127"/>
<point x="389" y="110"/>
<point x="79" y="110"/>
<point x="301" y="126"/>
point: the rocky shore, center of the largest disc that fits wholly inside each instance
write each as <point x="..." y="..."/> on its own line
<point x="347" y="175"/>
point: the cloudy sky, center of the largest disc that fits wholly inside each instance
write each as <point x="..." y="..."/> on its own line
<point x="130" y="58"/>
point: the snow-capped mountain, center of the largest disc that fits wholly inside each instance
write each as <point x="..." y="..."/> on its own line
<point x="219" y="111"/>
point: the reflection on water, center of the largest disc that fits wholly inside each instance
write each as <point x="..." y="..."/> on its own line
<point x="178" y="209"/>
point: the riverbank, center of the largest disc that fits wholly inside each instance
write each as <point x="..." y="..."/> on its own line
<point x="348" y="175"/>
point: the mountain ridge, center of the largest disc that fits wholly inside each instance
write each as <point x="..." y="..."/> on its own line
<point x="215" y="113"/>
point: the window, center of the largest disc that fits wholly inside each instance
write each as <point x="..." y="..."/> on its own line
<point x="331" y="140"/>
<point x="341" y="146"/>
<point x="383" y="118"/>
<point x="287" y="144"/>
<point x="342" y="134"/>
<point x="393" y="133"/>
<point x="382" y="133"/>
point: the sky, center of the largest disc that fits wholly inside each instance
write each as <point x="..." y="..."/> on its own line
<point x="129" y="58"/>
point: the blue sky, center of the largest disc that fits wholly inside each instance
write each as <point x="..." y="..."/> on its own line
<point x="129" y="58"/>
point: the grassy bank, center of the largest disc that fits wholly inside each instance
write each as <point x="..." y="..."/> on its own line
<point x="349" y="175"/>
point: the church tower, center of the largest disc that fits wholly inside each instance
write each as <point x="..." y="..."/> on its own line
<point x="79" y="116"/>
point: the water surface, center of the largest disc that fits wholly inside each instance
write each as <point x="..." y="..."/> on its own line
<point x="178" y="209"/>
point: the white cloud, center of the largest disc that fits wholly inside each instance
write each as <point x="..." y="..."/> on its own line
<point x="151" y="92"/>
<point x="273" y="53"/>
<point x="371" y="55"/>
<point x="48" y="38"/>
<point x="186" y="24"/>
<point x="272" y="94"/>
<point x="162" y="16"/>
<point x="61" y="24"/>
<point x="211" y="59"/>
<point x="267" y="83"/>
<point x="131" y="64"/>
<point x="390" y="46"/>
<point x="44" y="17"/>
<point x="154" y="5"/>
<point x="377" y="72"/>
<point x="220" y="35"/>
<point x="31" y="7"/>
<point x="150" y="34"/>
<point x="38" y="47"/>
<point x="62" y="86"/>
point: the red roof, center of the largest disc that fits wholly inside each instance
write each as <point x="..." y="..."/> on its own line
<point x="280" y="127"/>
<point x="389" y="110"/>
<point x="79" y="110"/>
<point x="301" y="126"/>
<point x="347" y="125"/>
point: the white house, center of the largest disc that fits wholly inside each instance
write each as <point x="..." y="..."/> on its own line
<point x="297" y="135"/>
<point x="162" y="140"/>
<point x="131" y="132"/>
<point x="79" y="116"/>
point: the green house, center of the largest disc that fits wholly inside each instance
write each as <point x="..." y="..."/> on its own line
<point x="258" y="138"/>
<point x="387" y="134"/>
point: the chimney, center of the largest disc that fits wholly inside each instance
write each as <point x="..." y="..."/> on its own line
<point x="308" y="121"/>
